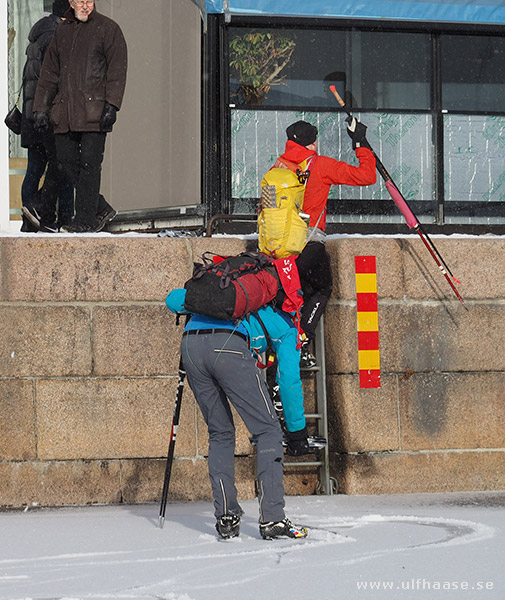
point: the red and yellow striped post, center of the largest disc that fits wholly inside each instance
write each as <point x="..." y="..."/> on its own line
<point x="368" y="322"/>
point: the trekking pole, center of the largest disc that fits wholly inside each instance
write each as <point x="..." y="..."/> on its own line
<point x="404" y="208"/>
<point x="171" y="445"/>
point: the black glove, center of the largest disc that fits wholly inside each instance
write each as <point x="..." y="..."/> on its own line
<point x="41" y="121"/>
<point x="357" y="133"/>
<point x="108" y="117"/>
<point x="298" y="444"/>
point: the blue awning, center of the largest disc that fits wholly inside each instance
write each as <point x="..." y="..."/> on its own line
<point x="456" y="11"/>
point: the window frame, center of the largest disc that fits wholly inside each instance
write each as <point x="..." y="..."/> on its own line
<point x="436" y="111"/>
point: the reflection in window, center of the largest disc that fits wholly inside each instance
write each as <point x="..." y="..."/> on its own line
<point x="259" y="137"/>
<point x="391" y="70"/>
<point x="387" y="77"/>
<point x="473" y="73"/>
<point x="474" y="168"/>
<point x="294" y="68"/>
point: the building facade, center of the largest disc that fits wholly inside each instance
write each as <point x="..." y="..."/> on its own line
<point x="212" y="87"/>
<point x="426" y="78"/>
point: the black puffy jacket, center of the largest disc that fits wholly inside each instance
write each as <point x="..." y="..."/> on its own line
<point x="39" y="37"/>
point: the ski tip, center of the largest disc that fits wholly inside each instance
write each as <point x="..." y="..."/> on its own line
<point x="161" y="521"/>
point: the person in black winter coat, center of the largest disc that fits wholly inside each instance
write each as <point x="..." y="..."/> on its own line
<point x="40" y="207"/>
<point x="80" y="90"/>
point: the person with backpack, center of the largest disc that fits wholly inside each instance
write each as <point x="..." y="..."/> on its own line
<point x="218" y="359"/>
<point x="319" y="174"/>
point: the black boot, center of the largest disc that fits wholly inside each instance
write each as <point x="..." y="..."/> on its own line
<point x="298" y="444"/>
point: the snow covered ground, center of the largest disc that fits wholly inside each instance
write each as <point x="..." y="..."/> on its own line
<point x="424" y="546"/>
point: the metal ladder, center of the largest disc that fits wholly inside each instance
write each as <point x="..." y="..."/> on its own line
<point x="327" y="484"/>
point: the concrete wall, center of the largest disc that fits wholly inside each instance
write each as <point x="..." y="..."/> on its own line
<point x="89" y="356"/>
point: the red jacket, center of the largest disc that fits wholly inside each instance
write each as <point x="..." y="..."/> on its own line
<point x="325" y="172"/>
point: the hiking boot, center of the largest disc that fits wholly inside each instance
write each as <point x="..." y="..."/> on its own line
<point x="51" y="228"/>
<point x="297" y="447"/>
<point x="28" y="227"/>
<point x="228" y="526"/>
<point x="280" y="529"/>
<point x="314" y="443"/>
<point x="77" y="228"/>
<point x="104" y="217"/>
<point x="297" y="443"/>
<point x="32" y="214"/>
<point x="307" y="359"/>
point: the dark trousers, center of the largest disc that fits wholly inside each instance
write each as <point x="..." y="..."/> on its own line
<point x="34" y="170"/>
<point x="57" y="194"/>
<point x="81" y="154"/>
<point x="316" y="278"/>
<point x="55" y="200"/>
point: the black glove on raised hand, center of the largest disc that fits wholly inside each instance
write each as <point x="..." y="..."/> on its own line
<point x="108" y="117"/>
<point x="357" y="133"/>
<point x="41" y="121"/>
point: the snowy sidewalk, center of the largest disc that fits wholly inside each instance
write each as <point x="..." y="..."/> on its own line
<point x="424" y="546"/>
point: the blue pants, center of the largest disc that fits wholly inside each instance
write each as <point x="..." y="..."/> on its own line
<point x="221" y="370"/>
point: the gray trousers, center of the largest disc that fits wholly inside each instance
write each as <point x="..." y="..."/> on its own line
<point x="221" y="369"/>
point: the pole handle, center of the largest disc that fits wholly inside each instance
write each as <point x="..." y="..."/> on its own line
<point x="337" y="96"/>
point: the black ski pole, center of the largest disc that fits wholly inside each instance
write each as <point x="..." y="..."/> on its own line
<point x="171" y="445"/>
<point x="404" y="208"/>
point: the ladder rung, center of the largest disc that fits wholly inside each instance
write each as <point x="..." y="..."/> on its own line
<point x="313" y="416"/>
<point x="315" y="463"/>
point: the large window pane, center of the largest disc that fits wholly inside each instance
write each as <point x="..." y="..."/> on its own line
<point x="391" y="70"/>
<point x="294" y="68"/>
<point x="263" y="71"/>
<point x="259" y="136"/>
<point x="474" y="169"/>
<point x="162" y="105"/>
<point x="22" y="14"/>
<point x="386" y="78"/>
<point x="473" y="73"/>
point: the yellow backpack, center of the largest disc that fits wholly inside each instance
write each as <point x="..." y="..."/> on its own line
<point x="282" y="225"/>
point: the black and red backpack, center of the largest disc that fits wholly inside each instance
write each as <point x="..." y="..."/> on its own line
<point x="231" y="287"/>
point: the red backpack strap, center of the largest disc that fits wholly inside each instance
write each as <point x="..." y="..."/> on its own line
<point x="292" y="166"/>
<point x="289" y="278"/>
<point x="296" y="168"/>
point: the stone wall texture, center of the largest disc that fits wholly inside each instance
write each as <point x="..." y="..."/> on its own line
<point x="89" y="357"/>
